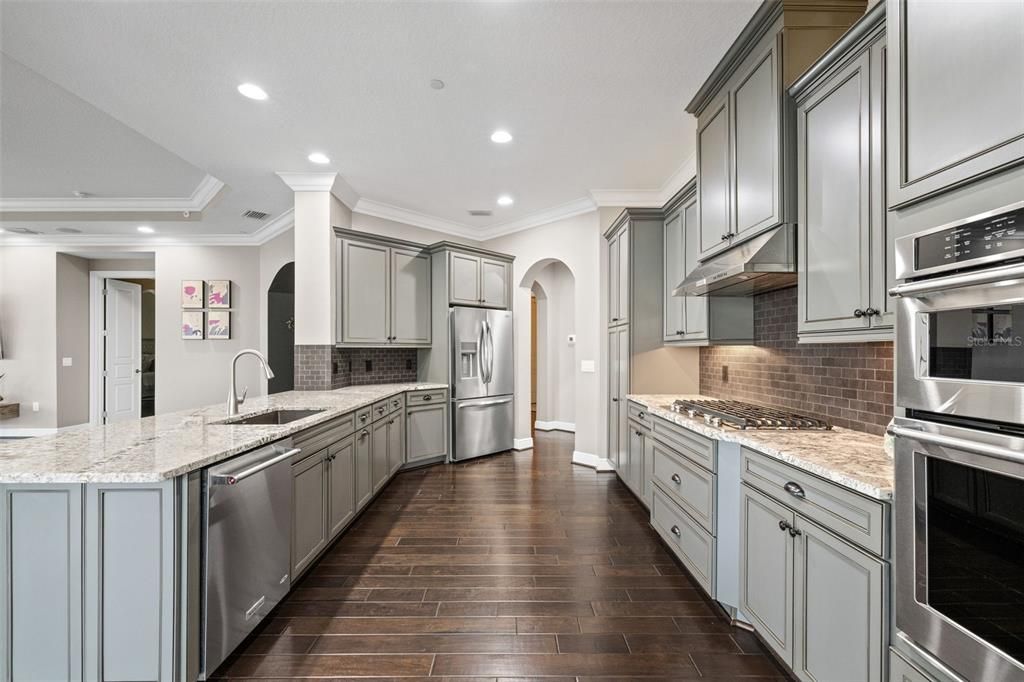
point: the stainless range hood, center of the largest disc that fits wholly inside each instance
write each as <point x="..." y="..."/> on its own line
<point x="765" y="263"/>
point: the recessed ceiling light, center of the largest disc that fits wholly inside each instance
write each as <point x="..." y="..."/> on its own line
<point x="501" y="136"/>
<point x="252" y="91"/>
<point x="437" y="84"/>
<point x="317" y="157"/>
<point x="145" y="229"/>
<point x="505" y="200"/>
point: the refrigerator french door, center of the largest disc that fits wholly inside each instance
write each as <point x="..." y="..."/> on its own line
<point x="482" y="382"/>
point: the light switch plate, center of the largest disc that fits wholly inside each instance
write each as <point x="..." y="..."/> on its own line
<point x="65" y="362"/>
<point x="588" y="366"/>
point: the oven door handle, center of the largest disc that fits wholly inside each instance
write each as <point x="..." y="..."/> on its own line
<point x="969" y="279"/>
<point x="958" y="444"/>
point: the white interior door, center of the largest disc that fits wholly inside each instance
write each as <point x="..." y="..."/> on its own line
<point x="122" y="384"/>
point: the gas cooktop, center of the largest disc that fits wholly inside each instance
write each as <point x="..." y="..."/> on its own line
<point x="741" y="415"/>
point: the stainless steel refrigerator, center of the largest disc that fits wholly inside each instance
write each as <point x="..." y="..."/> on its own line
<point x="482" y="381"/>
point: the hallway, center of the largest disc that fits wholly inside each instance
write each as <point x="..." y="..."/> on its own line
<point x="514" y="567"/>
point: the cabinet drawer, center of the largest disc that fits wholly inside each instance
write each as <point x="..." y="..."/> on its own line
<point x="425" y="397"/>
<point x="380" y="410"/>
<point x="396" y="402"/>
<point x="902" y="671"/>
<point x="694" y="546"/>
<point x="687" y="443"/>
<point x="362" y="416"/>
<point x="638" y="413"/>
<point x="693" y="487"/>
<point x="322" y="435"/>
<point x="859" y="519"/>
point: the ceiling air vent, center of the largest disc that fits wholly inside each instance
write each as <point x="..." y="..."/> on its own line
<point x="480" y="212"/>
<point x="255" y="215"/>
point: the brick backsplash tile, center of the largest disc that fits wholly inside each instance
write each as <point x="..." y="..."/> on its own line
<point x="325" y="368"/>
<point x="850" y="384"/>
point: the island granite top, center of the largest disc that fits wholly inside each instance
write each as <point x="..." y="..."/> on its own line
<point x="852" y="459"/>
<point x="168" y="445"/>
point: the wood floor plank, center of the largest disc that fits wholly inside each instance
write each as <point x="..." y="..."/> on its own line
<point x="608" y="665"/>
<point x="435" y="643"/>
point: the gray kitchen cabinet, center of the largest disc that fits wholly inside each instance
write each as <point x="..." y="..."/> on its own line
<point x="833" y="577"/>
<point x="745" y="143"/>
<point x="380" y="466"/>
<point x="955" y="109"/>
<point x="900" y="670"/>
<point x="41" y="600"/>
<point x="130" y="568"/>
<point x="695" y="320"/>
<point x="675" y="270"/>
<point x="426" y="433"/>
<point x="309" y="510"/>
<point x="618" y="280"/>
<point x="766" y="569"/>
<point x="478" y="280"/>
<point x="842" y="232"/>
<point x="383" y="292"/>
<point x="648" y="482"/>
<point x="634" y="468"/>
<point x="618" y="388"/>
<point x="363" y="468"/>
<point x="396" y="441"/>
<point x="341" y="489"/>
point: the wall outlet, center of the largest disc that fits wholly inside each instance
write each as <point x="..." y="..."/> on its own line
<point x="369" y="365"/>
<point x="725" y="374"/>
<point x="66" y="362"/>
<point x="35" y="407"/>
<point x="588" y="366"/>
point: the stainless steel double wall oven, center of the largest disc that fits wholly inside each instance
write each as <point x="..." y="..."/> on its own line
<point x="959" y="528"/>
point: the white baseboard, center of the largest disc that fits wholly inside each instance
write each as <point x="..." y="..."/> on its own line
<point x="554" y="426"/>
<point x="593" y="461"/>
<point x="522" y="443"/>
<point x="25" y="432"/>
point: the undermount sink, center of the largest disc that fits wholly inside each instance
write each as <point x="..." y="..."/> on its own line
<point x="273" y="417"/>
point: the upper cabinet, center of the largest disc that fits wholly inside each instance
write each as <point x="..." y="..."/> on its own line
<point x="479" y="280"/>
<point x="618" y="277"/>
<point x="955" y="108"/>
<point x="842" y="233"/>
<point x="383" y="292"/>
<point x="745" y="159"/>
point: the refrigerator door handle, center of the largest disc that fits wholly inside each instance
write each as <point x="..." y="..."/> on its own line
<point x="490" y="352"/>
<point x="502" y="401"/>
<point x="481" y="362"/>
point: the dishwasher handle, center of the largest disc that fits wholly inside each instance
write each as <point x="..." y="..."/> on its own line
<point x="232" y="479"/>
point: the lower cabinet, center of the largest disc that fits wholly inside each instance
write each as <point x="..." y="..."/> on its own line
<point x="693" y="544"/>
<point x="341" y="505"/>
<point x="426" y="431"/>
<point x="631" y="470"/>
<point x="379" y="454"/>
<point x="363" y="472"/>
<point x="795" y="576"/>
<point x="309" y="510"/>
<point x="396" y="441"/>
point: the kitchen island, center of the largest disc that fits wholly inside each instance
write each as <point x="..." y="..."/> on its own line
<point x="102" y="544"/>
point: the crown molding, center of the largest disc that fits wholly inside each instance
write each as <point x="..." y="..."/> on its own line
<point x="200" y="198"/>
<point x="648" y="198"/>
<point x="274" y="228"/>
<point x="309" y="182"/>
<point x="379" y="209"/>
<point x="345" y="193"/>
<point x="561" y="212"/>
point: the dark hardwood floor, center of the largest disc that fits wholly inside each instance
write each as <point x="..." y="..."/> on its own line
<point x="514" y="567"/>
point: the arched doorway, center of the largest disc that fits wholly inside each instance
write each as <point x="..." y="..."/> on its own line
<point x="281" y="329"/>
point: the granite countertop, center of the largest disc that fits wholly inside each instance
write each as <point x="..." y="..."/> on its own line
<point x="168" y="445"/>
<point x="850" y="458"/>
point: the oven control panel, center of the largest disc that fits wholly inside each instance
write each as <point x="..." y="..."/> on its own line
<point x="997" y="235"/>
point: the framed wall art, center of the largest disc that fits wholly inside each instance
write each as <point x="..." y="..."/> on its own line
<point x="218" y="293"/>
<point x="218" y="325"/>
<point x="192" y="293"/>
<point x="192" y="325"/>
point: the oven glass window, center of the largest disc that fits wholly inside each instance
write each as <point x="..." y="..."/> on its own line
<point x="981" y="344"/>
<point x="975" y="550"/>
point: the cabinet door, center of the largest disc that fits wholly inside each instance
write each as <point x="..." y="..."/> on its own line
<point x="623" y="277"/>
<point x="463" y="279"/>
<point x="410" y="297"/>
<point x="309" y="510"/>
<point x="365" y="292"/>
<point x="955" y="101"/>
<point x="613" y="400"/>
<point x="834" y="133"/>
<point x="379" y="454"/>
<point x="766" y="569"/>
<point x="396" y="441"/>
<point x="648" y="471"/>
<point x="613" y="280"/>
<point x="674" y="269"/>
<point x="636" y="460"/>
<point x="623" y="390"/>
<point x="713" y="177"/>
<point x="341" y="488"/>
<point x="882" y="276"/>
<point x="832" y="577"/>
<point x="494" y="280"/>
<point x="756" y="188"/>
<point x="426" y="433"/>
<point x="696" y="307"/>
<point x="364" y="475"/>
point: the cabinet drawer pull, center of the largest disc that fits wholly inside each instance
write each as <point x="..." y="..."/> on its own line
<point x="676" y="479"/>
<point x="428" y="397"/>
<point x="794" y="489"/>
<point x="641" y="414"/>
<point x="364" y="434"/>
<point x="675" y="531"/>
<point x="362" y="417"/>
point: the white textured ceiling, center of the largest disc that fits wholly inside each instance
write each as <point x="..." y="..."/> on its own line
<point x="593" y="93"/>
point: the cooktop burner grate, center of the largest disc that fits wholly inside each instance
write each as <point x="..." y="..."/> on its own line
<point x="743" y="415"/>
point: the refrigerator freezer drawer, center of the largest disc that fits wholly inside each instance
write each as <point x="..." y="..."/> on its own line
<point x="482" y="427"/>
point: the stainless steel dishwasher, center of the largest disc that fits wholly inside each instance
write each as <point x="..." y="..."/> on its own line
<point x="247" y="546"/>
